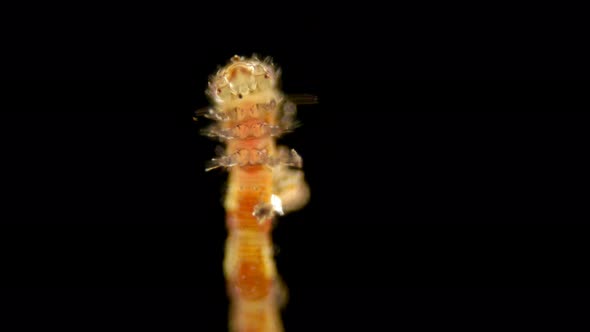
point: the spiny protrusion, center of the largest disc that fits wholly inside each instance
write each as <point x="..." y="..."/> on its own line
<point x="221" y="160"/>
<point x="249" y="157"/>
<point x="289" y="158"/>
<point x="225" y="161"/>
<point x="242" y="157"/>
<point x="217" y="131"/>
<point x="211" y="113"/>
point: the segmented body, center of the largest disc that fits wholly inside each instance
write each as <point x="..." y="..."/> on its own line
<point x="250" y="113"/>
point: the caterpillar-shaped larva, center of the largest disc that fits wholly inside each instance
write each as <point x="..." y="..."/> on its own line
<point x="250" y="113"/>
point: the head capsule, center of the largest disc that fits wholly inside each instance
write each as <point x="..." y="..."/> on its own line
<point x="242" y="77"/>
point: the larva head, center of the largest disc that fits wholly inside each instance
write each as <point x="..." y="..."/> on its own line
<point x="242" y="77"/>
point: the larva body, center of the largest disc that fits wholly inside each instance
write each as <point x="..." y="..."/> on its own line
<point x="250" y="113"/>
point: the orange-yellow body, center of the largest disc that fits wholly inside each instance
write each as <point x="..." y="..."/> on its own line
<point x="251" y="114"/>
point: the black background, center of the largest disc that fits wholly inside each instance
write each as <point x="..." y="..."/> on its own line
<point x="442" y="196"/>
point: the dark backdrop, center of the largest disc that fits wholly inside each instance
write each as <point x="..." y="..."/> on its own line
<point x="436" y="201"/>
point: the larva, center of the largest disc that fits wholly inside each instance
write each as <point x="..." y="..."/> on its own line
<point x="250" y="112"/>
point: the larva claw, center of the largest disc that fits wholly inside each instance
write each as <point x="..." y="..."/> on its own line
<point x="221" y="160"/>
<point x="216" y="131"/>
<point x="210" y="113"/>
<point x="226" y="161"/>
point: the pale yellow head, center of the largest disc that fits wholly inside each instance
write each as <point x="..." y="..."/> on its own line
<point x="242" y="77"/>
